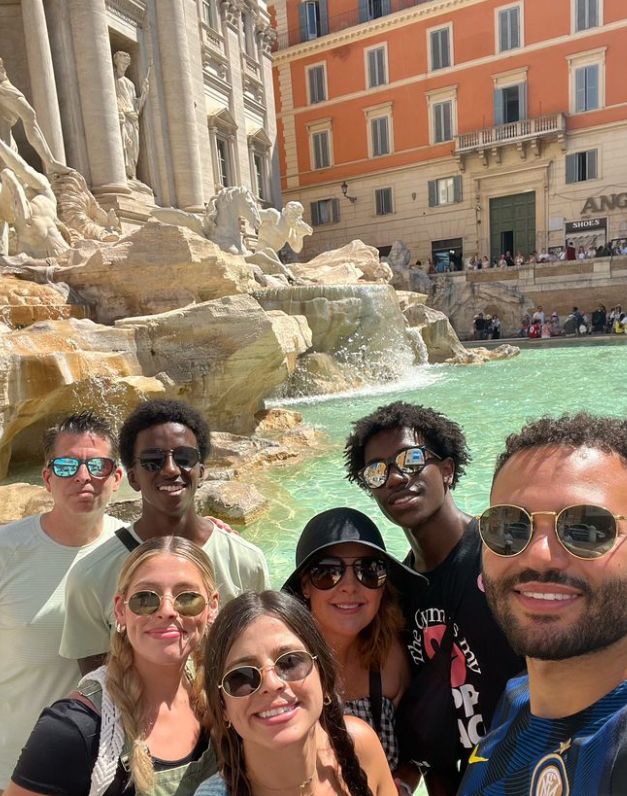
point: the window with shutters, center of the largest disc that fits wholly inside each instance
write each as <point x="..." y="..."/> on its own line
<point x="442" y="121"/>
<point x="380" y="136"/>
<point x="373" y="9"/>
<point x="582" y="166"/>
<point x="587" y="88"/>
<point x="313" y="18"/>
<point x="317" y="83"/>
<point x="586" y="14"/>
<point x="440" y="47"/>
<point x="383" y="201"/>
<point x="325" y="211"/>
<point x="509" y="28"/>
<point x="376" y="66"/>
<point x="445" y="191"/>
<point x="510" y="103"/>
<point x="224" y="161"/>
<point x="321" y="150"/>
<point x="587" y="80"/>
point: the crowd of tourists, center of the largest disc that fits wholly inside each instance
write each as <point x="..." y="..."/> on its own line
<point x="153" y="658"/>
<point x="537" y="324"/>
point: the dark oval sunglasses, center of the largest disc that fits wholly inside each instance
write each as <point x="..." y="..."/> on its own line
<point x="242" y="681"/>
<point x="68" y="466"/>
<point x="370" y="571"/>
<point x="585" y="531"/>
<point x="408" y="461"/>
<point x="186" y="603"/>
<point x="184" y="458"/>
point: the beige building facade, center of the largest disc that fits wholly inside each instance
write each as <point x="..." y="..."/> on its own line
<point x="473" y="126"/>
<point x="207" y="119"/>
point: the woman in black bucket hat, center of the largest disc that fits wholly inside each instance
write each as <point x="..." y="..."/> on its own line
<point x="352" y="586"/>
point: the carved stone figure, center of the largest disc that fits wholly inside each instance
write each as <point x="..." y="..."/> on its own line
<point x="130" y="107"/>
<point x="13" y="107"/>
<point x="288" y="226"/>
<point x="28" y="203"/>
<point x="220" y="222"/>
<point x="80" y="212"/>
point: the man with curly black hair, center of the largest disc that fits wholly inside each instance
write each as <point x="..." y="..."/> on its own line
<point x="409" y="459"/>
<point x="163" y="446"/>
<point x="554" y="567"/>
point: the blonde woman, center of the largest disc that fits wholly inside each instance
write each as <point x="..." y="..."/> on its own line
<point x="138" y="725"/>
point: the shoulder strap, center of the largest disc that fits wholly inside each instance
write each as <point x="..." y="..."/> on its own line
<point x="376" y="698"/>
<point x="127" y="539"/>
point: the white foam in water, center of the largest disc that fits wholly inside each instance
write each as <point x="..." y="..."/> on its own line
<point x="415" y="378"/>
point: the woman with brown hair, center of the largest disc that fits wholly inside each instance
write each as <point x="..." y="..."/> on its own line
<point x="352" y="585"/>
<point x="139" y="724"/>
<point x="277" y="721"/>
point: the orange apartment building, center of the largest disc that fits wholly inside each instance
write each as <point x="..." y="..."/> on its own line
<point x="466" y="126"/>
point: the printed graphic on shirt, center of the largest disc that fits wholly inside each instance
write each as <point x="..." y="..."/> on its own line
<point x="427" y="634"/>
<point x="549" y="777"/>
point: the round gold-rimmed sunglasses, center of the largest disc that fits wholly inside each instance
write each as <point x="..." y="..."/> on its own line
<point x="586" y="531"/>
<point x="242" y="681"/>
<point x="146" y="602"/>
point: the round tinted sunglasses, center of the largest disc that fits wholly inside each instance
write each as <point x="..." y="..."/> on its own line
<point x="68" y="466"/>
<point x="184" y="458"/>
<point x="408" y="461"/>
<point x="242" y="681"/>
<point x="371" y="572"/>
<point x="187" y="603"/>
<point x="585" y="531"/>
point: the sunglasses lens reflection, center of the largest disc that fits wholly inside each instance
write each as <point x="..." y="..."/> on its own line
<point x="506" y="530"/>
<point x="587" y="531"/>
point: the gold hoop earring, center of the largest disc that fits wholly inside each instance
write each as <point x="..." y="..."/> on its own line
<point x="227" y="724"/>
<point x="119" y="628"/>
<point x="327" y="700"/>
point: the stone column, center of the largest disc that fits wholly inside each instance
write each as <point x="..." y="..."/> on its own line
<point x="92" y="53"/>
<point x="44" y="88"/>
<point x="175" y="73"/>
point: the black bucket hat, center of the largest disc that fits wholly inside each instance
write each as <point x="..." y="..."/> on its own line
<point x="341" y="525"/>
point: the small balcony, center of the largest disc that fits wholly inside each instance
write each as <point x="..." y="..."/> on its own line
<point x="526" y="135"/>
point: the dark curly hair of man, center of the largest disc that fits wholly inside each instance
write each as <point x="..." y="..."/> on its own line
<point x="441" y="435"/>
<point x="580" y="430"/>
<point x="156" y="413"/>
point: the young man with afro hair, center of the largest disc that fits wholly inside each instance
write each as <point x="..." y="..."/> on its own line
<point x="409" y="459"/>
<point x="163" y="446"/>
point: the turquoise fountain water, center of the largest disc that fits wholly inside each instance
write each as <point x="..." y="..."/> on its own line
<point x="488" y="401"/>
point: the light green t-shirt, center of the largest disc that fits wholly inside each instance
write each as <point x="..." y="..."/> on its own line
<point x="239" y="566"/>
<point x="33" y="573"/>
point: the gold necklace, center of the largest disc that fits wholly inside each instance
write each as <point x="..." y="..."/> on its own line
<point x="301" y="788"/>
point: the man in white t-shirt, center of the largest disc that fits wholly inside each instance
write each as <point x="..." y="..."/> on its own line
<point x="163" y="445"/>
<point x="36" y="554"/>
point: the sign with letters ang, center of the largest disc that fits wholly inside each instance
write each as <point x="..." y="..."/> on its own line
<point x="597" y="204"/>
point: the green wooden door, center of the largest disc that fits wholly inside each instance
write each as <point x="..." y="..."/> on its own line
<point x="513" y="224"/>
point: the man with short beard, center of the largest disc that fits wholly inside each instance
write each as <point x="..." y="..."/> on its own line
<point x="554" y="568"/>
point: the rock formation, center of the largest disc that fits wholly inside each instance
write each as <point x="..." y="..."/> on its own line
<point x="354" y="262"/>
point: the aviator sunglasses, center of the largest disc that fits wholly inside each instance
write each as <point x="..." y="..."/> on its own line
<point x="184" y="458"/>
<point x="371" y="572"/>
<point x="408" y="461"/>
<point x="585" y="531"/>
<point x="242" y="681"/>
<point x="68" y="466"/>
<point x="187" y="603"/>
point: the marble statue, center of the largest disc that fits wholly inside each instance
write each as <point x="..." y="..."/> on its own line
<point x="130" y="107"/>
<point x="288" y="226"/>
<point x="80" y="212"/>
<point x="220" y="222"/>
<point x="13" y="107"/>
<point x="28" y="204"/>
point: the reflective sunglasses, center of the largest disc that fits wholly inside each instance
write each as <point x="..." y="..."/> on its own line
<point x="408" y="461"/>
<point x="67" y="466"/>
<point x="585" y="531"/>
<point x="242" y="681"/>
<point x="187" y="603"/>
<point x="184" y="458"/>
<point x="371" y="572"/>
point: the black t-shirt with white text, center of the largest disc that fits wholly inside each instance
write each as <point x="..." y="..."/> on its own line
<point x="481" y="660"/>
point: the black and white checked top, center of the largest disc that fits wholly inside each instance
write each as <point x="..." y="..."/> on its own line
<point x="362" y="708"/>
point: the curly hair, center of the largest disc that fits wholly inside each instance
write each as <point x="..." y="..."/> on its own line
<point x="156" y="413"/>
<point x="232" y="620"/>
<point x="443" y="436"/>
<point x="123" y="680"/>
<point x="85" y="422"/>
<point x="580" y="430"/>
